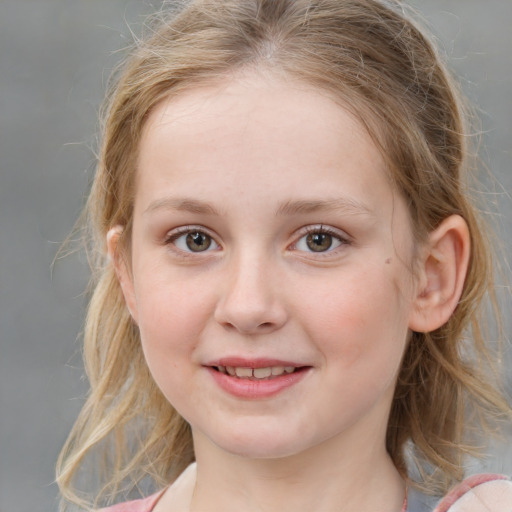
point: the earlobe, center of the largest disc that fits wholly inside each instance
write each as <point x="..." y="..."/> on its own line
<point x="121" y="269"/>
<point x="444" y="265"/>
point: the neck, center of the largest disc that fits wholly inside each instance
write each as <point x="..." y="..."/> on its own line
<point x="363" y="478"/>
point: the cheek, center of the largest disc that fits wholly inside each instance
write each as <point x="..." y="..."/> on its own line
<point x="358" y="319"/>
<point x="170" y="326"/>
<point x="172" y="313"/>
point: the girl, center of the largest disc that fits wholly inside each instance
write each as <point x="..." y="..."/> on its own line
<point x="287" y="269"/>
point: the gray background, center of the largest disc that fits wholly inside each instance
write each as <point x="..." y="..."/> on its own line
<point x="55" y="57"/>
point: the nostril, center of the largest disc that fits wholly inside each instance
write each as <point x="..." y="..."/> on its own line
<point x="249" y="316"/>
<point x="229" y="326"/>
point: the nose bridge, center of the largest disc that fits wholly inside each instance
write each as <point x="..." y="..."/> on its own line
<point x="250" y="300"/>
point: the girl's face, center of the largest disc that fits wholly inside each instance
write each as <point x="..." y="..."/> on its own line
<point x="266" y="239"/>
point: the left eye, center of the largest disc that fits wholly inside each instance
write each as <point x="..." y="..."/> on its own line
<point x="195" y="241"/>
<point x="319" y="241"/>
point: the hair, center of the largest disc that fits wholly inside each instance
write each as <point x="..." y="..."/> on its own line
<point x="377" y="63"/>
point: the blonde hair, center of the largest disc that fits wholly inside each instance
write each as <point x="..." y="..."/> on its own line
<point x="375" y="61"/>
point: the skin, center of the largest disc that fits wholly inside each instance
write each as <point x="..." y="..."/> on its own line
<point x="233" y="161"/>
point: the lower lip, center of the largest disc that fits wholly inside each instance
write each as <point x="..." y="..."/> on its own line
<point x="247" y="388"/>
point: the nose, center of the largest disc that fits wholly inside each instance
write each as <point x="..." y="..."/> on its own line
<point x="251" y="300"/>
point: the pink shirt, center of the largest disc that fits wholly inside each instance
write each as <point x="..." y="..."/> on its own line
<point x="460" y="491"/>
<point x="143" y="505"/>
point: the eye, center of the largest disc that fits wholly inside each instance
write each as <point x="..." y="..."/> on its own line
<point x="193" y="240"/>
<point x="320" y="239"/>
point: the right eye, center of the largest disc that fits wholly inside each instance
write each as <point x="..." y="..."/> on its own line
<point x="193" y="240"/>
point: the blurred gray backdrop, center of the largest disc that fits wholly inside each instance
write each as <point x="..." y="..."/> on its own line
<point x="55" y="58"/>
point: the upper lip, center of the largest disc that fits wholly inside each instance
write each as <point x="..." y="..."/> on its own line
<point x="260" y="362"/>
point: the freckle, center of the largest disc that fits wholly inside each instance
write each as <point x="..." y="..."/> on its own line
<point x="388" y="261"/>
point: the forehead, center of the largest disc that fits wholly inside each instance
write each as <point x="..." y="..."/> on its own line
<point x="256" y="134"/>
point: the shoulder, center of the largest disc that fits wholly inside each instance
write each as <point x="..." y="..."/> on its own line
<point x="174" y="497"/>
<point x="143" y="505"/>
<point x="479" y="493"/>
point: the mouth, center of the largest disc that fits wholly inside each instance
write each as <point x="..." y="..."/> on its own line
<point x="254" y="379"/>
<point x="261" y="373"/>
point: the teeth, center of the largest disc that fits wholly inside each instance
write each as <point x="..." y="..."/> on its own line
<point x="256" y="373"/>
<point x="243" y="372"/>
<point x="261" y="373"/>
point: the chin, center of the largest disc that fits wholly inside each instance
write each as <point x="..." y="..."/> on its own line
<point x="260" y="445"/>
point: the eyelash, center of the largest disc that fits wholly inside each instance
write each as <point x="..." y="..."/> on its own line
<point x="322" y="230"/>
<point x="173" y="237"/>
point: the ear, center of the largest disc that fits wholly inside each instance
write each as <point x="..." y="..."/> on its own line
<point x="122" y="270"/>
<point x="443" y="267"/>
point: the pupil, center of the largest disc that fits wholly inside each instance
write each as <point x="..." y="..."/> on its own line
<point x="319" y="242"/>
<point x="198" y="242"/>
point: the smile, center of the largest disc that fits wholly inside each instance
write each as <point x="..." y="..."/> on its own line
<point x="256" y="379"/>
<point x="267" y="373"/>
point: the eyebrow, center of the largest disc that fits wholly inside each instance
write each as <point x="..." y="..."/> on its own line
<point x="181" y="204"/>
<point x="345" y="205"/>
